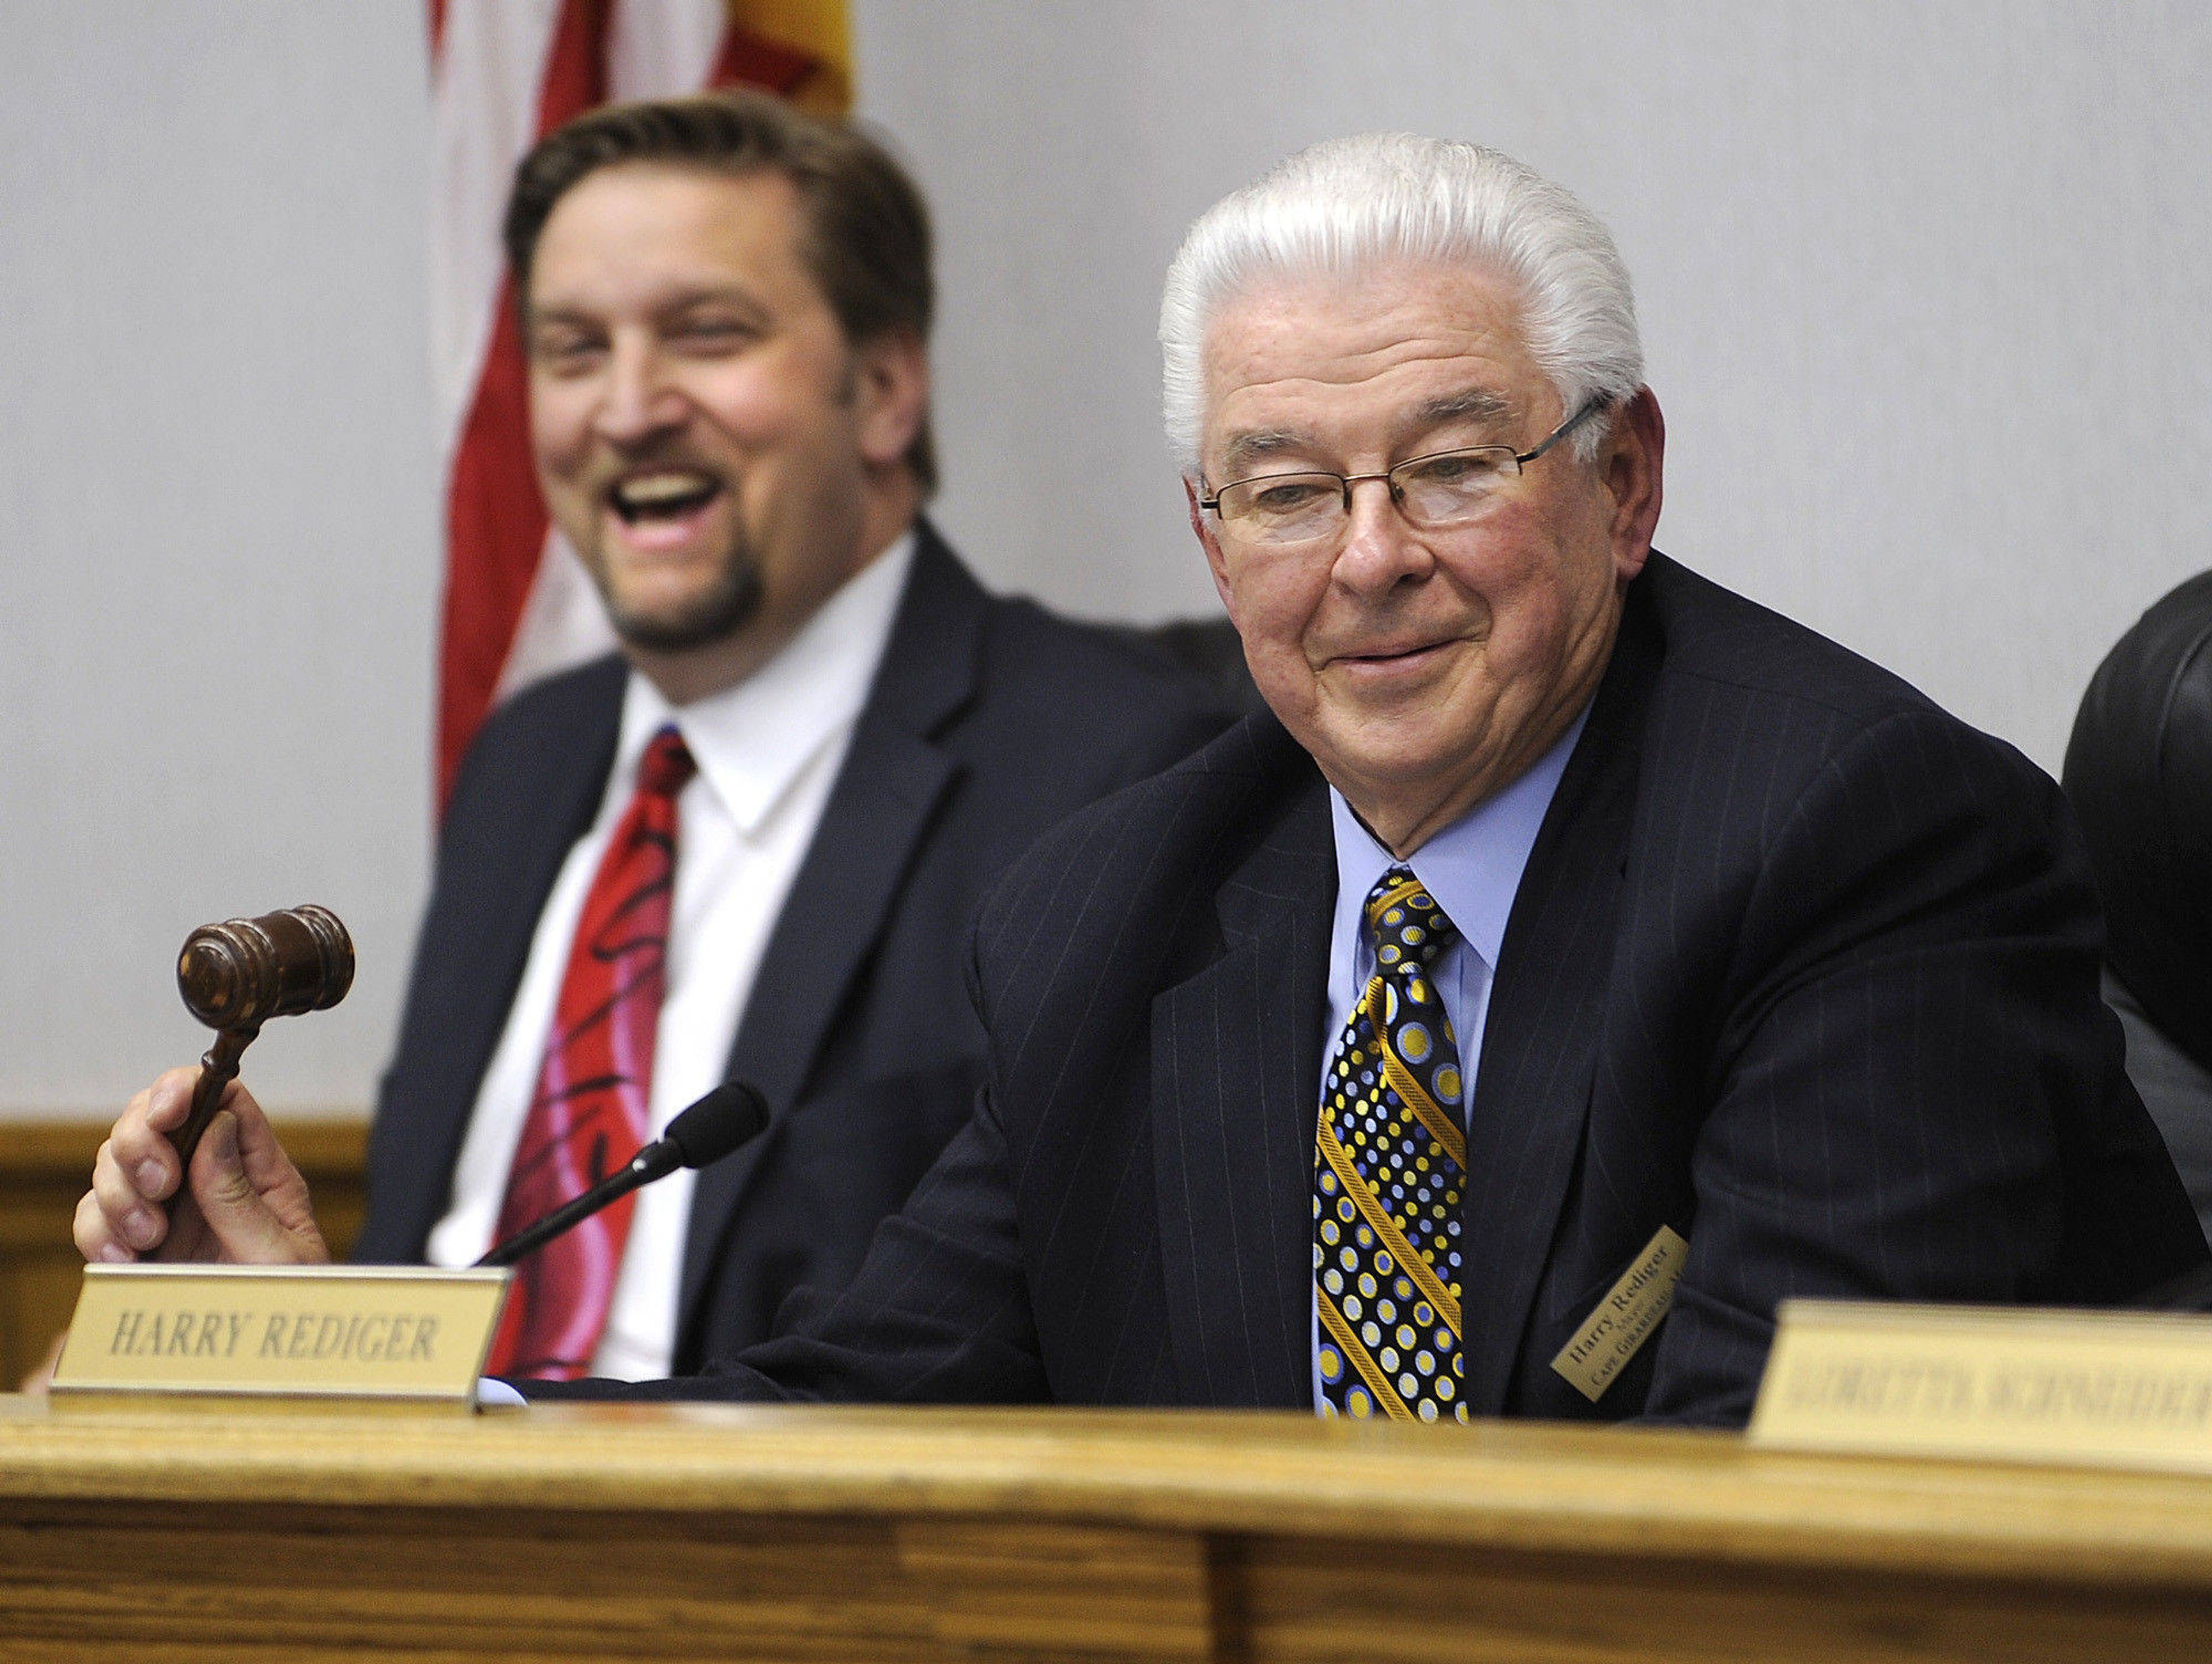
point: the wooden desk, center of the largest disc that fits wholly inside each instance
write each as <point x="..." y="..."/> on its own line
<point x="732" y="1533"/>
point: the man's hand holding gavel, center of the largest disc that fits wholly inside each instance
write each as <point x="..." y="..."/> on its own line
<point x="246" y="1203"/>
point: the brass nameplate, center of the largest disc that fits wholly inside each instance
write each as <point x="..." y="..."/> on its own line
<point x="370" y="1331"/>
<point x="2132" y="1388"/>
<point x="1624" y="1318"/>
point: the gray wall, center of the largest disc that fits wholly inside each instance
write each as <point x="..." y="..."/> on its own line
<point x="1923" y="289"/>
<point x="217" y="627"/>
<point x="1923" y="286"/>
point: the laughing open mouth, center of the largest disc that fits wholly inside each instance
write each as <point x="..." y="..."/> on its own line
<point x="668" y="494"/>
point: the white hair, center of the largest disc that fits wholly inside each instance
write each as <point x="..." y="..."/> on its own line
<point x="1351" y="203"/>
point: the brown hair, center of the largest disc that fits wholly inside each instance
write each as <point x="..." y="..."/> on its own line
<point x="866" y="239"/>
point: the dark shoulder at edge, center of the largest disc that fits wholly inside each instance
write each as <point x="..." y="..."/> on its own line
<point x="1101" y="663"/>
<point x="1226" y="770"/>
<point x="549" y="711"/>
<point x="558" y="699"/>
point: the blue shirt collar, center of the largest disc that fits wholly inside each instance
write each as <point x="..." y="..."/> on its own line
<point x="1472" y="867"/>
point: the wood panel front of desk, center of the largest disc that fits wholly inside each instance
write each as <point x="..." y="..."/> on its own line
<point x="661" y="1533"/>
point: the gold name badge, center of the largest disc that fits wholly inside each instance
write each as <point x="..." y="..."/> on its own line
<point x="361" y="1332"/>
<point x="2133" y="1389"/>
<point x="1624" y="1318"/>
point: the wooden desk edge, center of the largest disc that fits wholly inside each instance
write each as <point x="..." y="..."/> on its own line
<point x="1624" y="1493"/>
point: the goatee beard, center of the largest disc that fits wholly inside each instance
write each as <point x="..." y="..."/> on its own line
<point x="714" y="616"/>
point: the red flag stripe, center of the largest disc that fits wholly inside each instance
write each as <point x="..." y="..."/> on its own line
<point x="576" y="71"/>
<point x="495" y="524"/>
<point x="496" y="520"/>
<point x="748" y="59"/>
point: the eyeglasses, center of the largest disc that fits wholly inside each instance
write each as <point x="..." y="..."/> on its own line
<point x="1433" y="492"/>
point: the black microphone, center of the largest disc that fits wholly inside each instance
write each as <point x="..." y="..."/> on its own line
<point x="709" y="1129"/>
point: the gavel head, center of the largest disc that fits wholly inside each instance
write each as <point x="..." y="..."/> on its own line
<point x="240" y="973"/>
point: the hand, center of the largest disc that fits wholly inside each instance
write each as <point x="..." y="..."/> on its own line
<point x="246" y="1204"/>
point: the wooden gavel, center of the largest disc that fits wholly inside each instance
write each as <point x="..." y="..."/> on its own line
<point x="236" y="975"/>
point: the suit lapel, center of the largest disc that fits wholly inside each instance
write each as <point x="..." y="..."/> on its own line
<point x="1540" y="1041"/>
<point x="485" y="940"/>
<point x="892" y="778"/>
<point x="1235" y="1075"/>
<point x="574" y="783"/>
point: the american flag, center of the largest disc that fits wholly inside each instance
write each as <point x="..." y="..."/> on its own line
<point x="503" y="73"/>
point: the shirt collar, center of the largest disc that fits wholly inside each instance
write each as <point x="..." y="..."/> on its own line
<point x="1472" y="867"/>
<point x="752" y="741"/>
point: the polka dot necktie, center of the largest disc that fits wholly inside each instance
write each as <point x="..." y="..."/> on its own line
<point x="1389" y="1166"/>
<point x="590" y="1113"/>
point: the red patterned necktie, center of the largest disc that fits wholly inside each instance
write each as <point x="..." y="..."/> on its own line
<point x="589" y="1115"/>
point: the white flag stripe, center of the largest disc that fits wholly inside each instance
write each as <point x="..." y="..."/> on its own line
<point x="562" y="622"/>
<point x="486" y="84"/>
<point x="663" y="48"/>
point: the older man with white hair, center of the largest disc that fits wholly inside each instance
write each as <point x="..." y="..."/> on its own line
<point x="1580" y="959"/>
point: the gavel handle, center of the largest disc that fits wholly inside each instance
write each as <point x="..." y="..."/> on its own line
<point x="218" y="1068"/>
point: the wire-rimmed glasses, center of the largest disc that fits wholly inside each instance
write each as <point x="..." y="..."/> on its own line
<point x="1434" y="492"/>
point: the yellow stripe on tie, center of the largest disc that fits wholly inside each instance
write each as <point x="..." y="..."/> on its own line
<point x="1438" y="1125"/>
<point x="1391" y="897"/>
<point x="1378" y="1384"/>
<point x="1370" y="1205"/>
<point x="1442" y="1126"/>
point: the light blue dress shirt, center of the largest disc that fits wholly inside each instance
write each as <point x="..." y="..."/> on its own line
<point x="1473" y="868"/>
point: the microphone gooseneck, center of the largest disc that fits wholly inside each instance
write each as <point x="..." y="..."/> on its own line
<point x="703" y="1134"/>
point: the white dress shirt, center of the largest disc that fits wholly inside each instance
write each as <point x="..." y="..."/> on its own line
<point x="1472" y="868"/>
<point x="769" y="751"/>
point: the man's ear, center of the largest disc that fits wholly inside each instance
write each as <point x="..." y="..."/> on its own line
<point x="890" y="394"/>
<point x="1633" y="466"/>
<point x="1215" y="564"/>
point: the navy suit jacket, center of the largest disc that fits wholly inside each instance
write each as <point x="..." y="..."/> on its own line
<point x="988" y="720"/>
<point x="1800" y="967"/>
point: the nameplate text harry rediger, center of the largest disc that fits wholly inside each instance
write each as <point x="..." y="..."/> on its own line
<point x="314" y="1330"/>
<point x="305" y="1337"/>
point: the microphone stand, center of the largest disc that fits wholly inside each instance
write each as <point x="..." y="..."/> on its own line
<point x="703" y="1134"/>
<point x="656" y="1160"/>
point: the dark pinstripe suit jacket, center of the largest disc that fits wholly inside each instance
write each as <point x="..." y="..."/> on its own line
<point x="1800" y="966"/>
